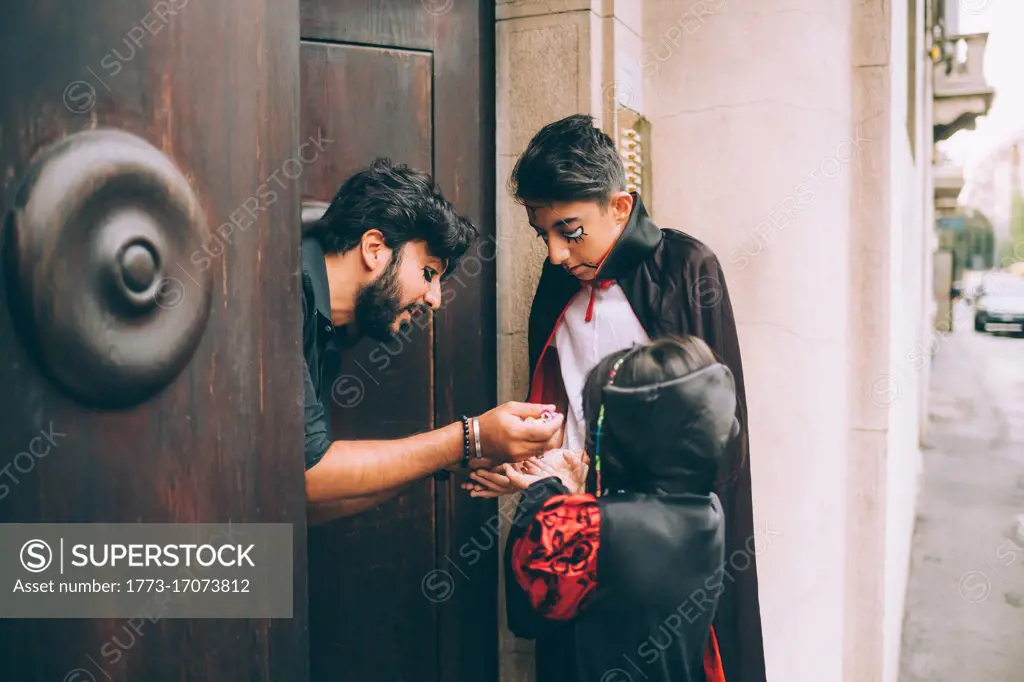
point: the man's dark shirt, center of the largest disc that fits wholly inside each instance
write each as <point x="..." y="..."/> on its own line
<point x="321" y="350"/>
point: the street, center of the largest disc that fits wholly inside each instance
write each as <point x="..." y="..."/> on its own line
<point x="964" y="617"/>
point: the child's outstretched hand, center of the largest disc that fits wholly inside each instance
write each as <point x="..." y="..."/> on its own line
<point x="570" y="467"/>
<point x="491" y="482"/>
<point x="527" y="474"/>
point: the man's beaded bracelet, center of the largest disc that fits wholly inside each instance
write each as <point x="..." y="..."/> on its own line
<point x="465" y="442"/>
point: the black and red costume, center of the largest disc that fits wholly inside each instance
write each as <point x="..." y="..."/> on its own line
<point x="638" y="570"/>
<point x="674" y="285"/>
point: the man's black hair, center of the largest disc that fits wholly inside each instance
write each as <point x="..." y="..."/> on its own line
<point x="569" y="160"/>
<point x="401" y="202"/>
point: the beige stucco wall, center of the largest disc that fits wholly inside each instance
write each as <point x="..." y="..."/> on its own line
<point x="910" y="161"/>
<point x="780" y="139"/>
<point x="873" y="254"/>
<point x="753" y="139"/>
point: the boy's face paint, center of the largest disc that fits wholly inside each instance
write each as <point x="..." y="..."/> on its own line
<point x="579" y="234"/>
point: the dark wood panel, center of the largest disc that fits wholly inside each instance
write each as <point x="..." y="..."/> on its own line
<point x="465" y="353"/>
<point x="369" y="618"/>
<point x="407" y="24"/>
<point x="212" y="85"/>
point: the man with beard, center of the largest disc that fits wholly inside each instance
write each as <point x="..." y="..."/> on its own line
<point x="375" y="258"/>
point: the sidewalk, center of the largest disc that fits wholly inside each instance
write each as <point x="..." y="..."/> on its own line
<point x="964" y="619"/>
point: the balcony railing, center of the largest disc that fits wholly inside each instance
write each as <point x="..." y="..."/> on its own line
<point x="961" y="92"/>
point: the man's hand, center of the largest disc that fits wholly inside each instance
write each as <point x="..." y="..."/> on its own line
<point x="351" y="469"/>
<point x="505" y="436"/>
<point x="555" y="441"/>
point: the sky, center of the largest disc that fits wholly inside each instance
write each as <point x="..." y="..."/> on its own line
<point x="1004" y="71"/>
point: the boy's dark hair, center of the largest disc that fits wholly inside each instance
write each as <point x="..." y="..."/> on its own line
<point x="569" y="160"/>
<point x="401" y="202"/>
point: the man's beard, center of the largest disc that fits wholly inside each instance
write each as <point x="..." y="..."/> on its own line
<point x="378" y="303"/>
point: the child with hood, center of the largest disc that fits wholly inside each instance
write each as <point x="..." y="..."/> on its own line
<point x="638" y="565"/>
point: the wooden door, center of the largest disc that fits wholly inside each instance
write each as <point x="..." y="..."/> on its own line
<point x="391" y="596"/>
<point x="206" y="426"/>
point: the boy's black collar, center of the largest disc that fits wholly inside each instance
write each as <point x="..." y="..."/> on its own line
<point x="639" y="238"/>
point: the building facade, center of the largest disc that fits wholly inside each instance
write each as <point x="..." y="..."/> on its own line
<point x="794" y="137"/>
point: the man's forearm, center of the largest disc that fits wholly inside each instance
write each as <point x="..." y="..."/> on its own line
<point x="323" y="512"/>
<point x="362" y="468"/>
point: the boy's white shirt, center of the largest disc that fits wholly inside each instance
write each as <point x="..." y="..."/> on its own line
<point x="581" y="345"/>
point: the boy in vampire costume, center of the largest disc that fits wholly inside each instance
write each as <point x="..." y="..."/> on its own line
<point x="614" y="279"/>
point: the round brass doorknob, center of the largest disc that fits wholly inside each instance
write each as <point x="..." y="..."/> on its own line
<point x="100" y="275"/>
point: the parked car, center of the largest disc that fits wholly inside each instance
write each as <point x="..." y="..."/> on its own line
<point x="1000" y="305"/>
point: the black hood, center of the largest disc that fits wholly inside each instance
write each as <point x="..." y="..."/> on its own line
<point x="696" y="418"/>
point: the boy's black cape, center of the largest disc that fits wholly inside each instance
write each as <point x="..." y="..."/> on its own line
<point x="675" y="286"/>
